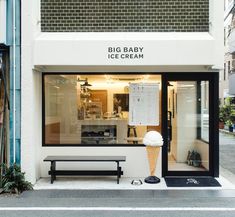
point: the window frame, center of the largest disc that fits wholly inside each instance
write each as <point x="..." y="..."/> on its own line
<point x="213" y="78"/>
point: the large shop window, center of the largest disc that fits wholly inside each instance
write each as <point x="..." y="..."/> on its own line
<point x="100" y="109"/>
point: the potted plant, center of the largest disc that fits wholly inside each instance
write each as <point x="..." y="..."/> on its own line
<point x="222" y="116"/>
<point x="225" y="115"/>
<point x="229" y="123"/>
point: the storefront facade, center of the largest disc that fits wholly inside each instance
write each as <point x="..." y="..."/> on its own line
<point x="79" y="89"/>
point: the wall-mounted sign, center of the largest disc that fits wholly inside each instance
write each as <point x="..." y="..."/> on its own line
<point x="130" y="52"/>
<point x="3" y="21"/>
<point x="144" y="104"/>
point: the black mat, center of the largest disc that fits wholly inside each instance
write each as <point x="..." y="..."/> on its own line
<point x="192" y="182"/>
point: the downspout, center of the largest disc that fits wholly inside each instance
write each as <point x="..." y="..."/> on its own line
<point x="14" y="77"/>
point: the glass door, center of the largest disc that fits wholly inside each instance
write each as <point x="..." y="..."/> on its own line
<point x="189" y="143"/>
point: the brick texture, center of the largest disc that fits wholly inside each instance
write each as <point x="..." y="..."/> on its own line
<point x="124" y="15"/>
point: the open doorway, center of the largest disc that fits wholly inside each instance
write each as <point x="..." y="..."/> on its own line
<point x="190" y="124"/>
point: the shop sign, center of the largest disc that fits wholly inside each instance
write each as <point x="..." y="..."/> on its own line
<point x="125" y="53"/>
<point x="2" y="21"/>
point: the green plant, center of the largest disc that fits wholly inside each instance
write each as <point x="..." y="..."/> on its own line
<point x="229" y="123"/>
<point x="225" y="113"/>
<point x="13" y="180"/>
<point x="222" y="114"/>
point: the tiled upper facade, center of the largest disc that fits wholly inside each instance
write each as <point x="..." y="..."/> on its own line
<point x="124" y="15"/>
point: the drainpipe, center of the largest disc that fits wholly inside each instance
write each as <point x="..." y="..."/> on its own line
<point x="14" y="78"/>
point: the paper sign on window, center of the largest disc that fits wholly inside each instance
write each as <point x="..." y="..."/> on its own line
<point x="144" y="104"/>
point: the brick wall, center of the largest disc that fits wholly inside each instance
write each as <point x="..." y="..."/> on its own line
<point x="124" y="15"/>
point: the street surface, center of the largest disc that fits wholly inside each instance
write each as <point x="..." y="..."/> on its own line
<point x="227" y="156"/>
<point x="58" y="203"/>
<point x="126" y="203"/>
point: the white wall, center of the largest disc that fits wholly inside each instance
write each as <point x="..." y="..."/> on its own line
<point x="185" y="126"/>
<point x="136" y="164"/>
<point x="92" y="48"/>
<point x="186" y="119"/>
<point x="2" y="21"/>
<point x="31" y="112"/>
<point x="203" y="149"/>
<point x="216" y="30"/>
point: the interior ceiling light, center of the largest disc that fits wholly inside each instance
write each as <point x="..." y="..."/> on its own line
<point x="126" y="79"/>
<point x="86" y="84"/>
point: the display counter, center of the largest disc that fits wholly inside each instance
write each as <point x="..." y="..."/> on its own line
<point x="102" y="131"/>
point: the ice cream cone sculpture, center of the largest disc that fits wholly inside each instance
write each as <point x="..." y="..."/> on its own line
<point x="153" y="141"/>
<point x="152" y="153"/>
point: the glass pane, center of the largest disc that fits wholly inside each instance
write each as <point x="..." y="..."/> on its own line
<point x="188" y="126"/>
<point x="92" y="109"/>
<point x="205" y="110"/>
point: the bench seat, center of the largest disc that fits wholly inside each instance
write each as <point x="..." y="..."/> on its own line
<point x="54" y="172"/>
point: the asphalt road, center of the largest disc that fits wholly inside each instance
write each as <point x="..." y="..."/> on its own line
<point x="227" y="154"/>
<point x="58" y="203"/>
<point x="117" y="214"/>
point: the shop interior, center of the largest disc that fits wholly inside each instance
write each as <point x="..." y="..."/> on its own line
<point x="92" y="109"/>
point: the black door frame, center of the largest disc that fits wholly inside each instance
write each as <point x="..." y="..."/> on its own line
<point x="213" y="78"/>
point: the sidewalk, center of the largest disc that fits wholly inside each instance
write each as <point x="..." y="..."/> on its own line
<point x="227" y="132"/>
<point x="109" y="183"/>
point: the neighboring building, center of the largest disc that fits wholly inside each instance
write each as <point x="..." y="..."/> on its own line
<point x="228" y="78"/>
<point x="97" y="75"/>
<point x="10" y="81"/>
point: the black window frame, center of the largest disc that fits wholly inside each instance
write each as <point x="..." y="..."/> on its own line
<point x="213" y="78"/>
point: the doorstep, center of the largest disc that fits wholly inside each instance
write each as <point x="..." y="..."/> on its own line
<point x="109" y="183"/>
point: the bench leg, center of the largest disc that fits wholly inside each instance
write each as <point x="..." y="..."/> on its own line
<point x="54" y="167"/>
<point x="53" y="176"/>
<point x="118" y="172"/>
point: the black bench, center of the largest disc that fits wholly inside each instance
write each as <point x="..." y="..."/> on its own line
<point x="53" y="172"/>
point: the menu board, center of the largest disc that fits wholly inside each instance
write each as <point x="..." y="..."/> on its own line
<point x="144" y="104"/>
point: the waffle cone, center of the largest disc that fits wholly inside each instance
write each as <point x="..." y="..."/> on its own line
<point x="152" y="152"/>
